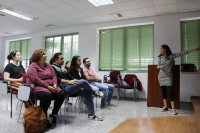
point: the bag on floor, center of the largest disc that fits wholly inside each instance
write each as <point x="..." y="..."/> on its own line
<point x="34" y="120"/>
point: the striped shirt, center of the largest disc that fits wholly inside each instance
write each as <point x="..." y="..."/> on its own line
<point x="165" y="76"/>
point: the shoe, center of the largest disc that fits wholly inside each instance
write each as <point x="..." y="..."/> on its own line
<point x="164" y="109"/>
<point x="94" y="117"/>
<point x="111" y="105"/>
<point x="49" y="125"/>
<point x="53" y="119"/>
<point x="68" y="102"/>
<point x="174" y="112"/>
<point x="104" y="107"/>
<point x="101" y="95"/>
<point x="98" y="94"/>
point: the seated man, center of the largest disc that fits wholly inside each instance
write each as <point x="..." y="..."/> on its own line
<point x="73" y="86"/>
<point x="96" y="81"/>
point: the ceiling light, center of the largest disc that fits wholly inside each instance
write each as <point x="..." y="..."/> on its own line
<point x="18" y="14"/>
<point x="101" y="2"/>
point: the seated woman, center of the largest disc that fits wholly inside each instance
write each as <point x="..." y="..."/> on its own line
<point x="76" y="72"/>
<point x="43" y="76"/>
<point x="14" y="71"/>
<point x="67" y="65"/>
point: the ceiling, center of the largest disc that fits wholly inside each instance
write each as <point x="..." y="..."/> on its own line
<point x="70" y="13"/>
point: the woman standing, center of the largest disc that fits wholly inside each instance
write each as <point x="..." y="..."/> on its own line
<point x="165" y="77"/>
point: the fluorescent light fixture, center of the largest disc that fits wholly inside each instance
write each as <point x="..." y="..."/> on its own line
<point x="18" y="14"/>
<point x="101" y="2"/>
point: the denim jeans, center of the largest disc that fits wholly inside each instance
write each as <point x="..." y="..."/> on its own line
<point x="107" y="91"/>
<point x="86" y="92"/>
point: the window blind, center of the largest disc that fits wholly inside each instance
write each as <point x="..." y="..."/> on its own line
<point x="126" y="48"/>
<point x="190" y="38"/>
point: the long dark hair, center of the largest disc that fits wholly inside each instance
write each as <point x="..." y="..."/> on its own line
<point x="168" y="50"/>
<point x="74" y="62"/>
<point x="12" y="55"/>
<point x="55" y="57"/>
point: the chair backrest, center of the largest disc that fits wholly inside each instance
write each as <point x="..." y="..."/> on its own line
<point x="114" y="75"/>
<point x="23" y="93"/>
<point x="3" y="88"/>
<point x="128" y="77"/>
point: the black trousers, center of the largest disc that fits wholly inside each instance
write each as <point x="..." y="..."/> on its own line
<point x="45" y="100"/>
<point x="170" y="91"/>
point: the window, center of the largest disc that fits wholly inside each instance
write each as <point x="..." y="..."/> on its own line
<point x="126" y="48"/>
<point x="23" y="46"/>
<point x="190" y="38"/>
<point x="66" y="44"/>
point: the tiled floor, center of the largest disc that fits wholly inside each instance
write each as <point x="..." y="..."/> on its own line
<point x="79" y="123"/>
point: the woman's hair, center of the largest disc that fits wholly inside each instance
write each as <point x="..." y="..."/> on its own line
<point x="55" y="57"/>
<point x="168" y="50"/>
<point x="30" y="61"/>
<point x="74" y="61"/>
<point x="12" y="55"/>
<point x="51" y="61"/>
<point x="67" y="62"/>
<point x="37" y="54"/>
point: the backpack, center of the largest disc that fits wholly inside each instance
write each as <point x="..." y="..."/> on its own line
<point x="34" y="120"/>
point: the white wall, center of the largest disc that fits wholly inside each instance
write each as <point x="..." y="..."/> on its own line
<point x="1" y="50"/>
<point x="166" y="31"/>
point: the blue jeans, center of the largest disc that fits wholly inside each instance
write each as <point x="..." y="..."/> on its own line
<point x="86" y="93"/>
<point x="107" y="91"/>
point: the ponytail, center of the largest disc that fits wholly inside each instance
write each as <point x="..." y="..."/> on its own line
<point x="12" y="55"/>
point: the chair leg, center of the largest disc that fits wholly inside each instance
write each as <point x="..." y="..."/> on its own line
<point x="96" y="103"/>
<point x="134" y="93"/>
<point x="65" y="111"/>
<point x="60" y="116"/>
<point x="11" y="105"/>
<point x="17" y="104"/>
<point x="20" y="112"/>
<point x="124" y="94"/>
<point x="118" y="94"/>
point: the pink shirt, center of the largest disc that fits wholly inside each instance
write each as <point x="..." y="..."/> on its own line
<point x="42" y="77"/>
<point x="89" y="72"/>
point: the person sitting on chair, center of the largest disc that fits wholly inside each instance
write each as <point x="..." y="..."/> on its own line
<point x="43" y="76"/>
<point x="76" y="72"/>
<point x="96" y="81"/>
<point x="74" y="86"/>
<point x="14" y="71"/>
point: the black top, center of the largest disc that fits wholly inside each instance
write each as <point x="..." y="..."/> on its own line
<point x="75" y="73"/>
<point x="16" y="72"/>
<point x="61" y="74"/>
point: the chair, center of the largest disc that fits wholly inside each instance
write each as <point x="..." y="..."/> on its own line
<point x="113" y="77"/>
<point x="4" y="88"/>
<point x="10" y="90"/>
<point x="126" y="84"/>
<point x="23" y="95"/>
